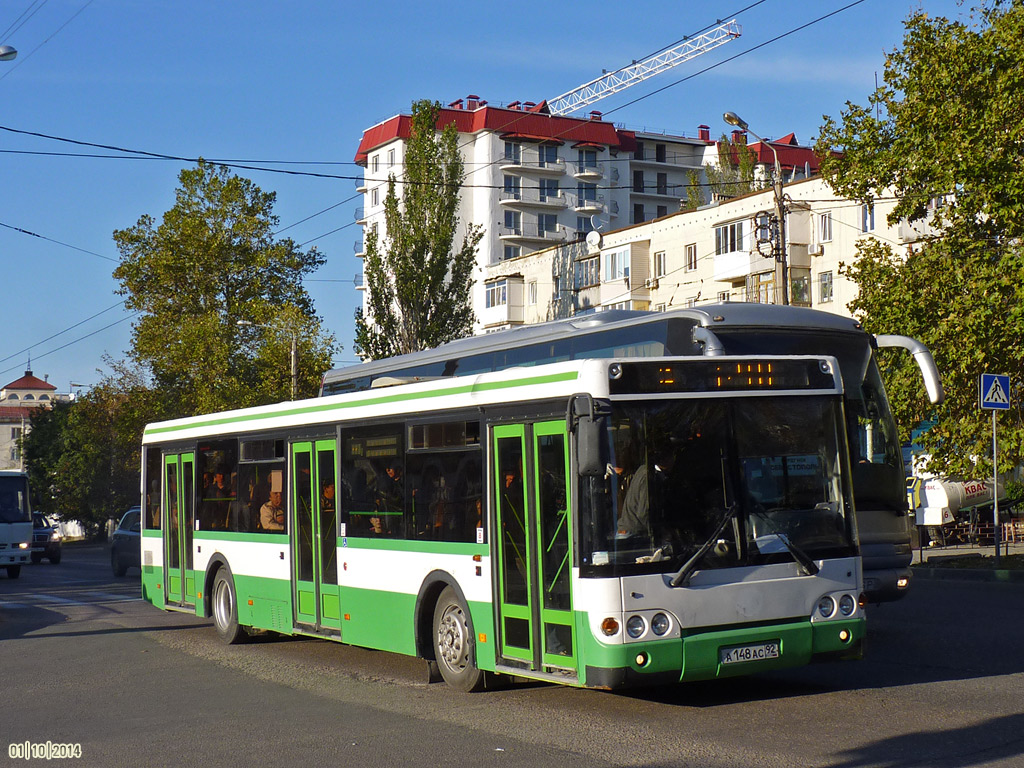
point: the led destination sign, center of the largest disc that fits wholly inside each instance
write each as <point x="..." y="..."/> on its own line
<point x="703" y="375"/>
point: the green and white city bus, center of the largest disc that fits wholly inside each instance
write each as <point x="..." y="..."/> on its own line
<point x="594" y="522"/>
<point x="732" y="328"/>
<point x="15" y="521"/>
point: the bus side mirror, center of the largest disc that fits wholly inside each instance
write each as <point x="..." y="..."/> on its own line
<point x="587" y="419"/>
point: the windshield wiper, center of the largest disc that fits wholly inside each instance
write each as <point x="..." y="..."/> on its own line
<point x="807" y="565"/>
<point x="682" y="576"/>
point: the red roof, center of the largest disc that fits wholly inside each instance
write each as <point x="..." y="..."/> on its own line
<point x="28" y="381"/>
<point x="539" y="126"/>
<point x="14" y="413"/>
<point x="791" y="154"/>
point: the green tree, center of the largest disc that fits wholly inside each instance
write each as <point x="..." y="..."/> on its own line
<point x="945" y="126"/>
<point x="418" y="287"/>
<point x="211" y="262"/>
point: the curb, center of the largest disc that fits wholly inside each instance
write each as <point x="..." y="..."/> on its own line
<point x="968" y="574"/>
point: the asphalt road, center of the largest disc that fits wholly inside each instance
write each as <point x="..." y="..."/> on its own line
<point x="84" y="661"/>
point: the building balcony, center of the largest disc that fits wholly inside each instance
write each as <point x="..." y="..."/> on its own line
<point x="738" y="265"/>
<point x="360" y="282"/>
<point x="530" y="234"/>
<point x="530" y="198"/>
<point x="589" y="205"/>
<point x="678" y="160"/>
<point x="359" y="249"/>
<point x="360" y="215"/>
<point x="532" y="165"/>
<point x="587" y="171"/>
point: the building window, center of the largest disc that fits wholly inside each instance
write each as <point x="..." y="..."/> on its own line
<point x="639" y="154"/>
<point x="531" y="293"/>
<point x="586" y="191"/>
<point x="867" y="217"/>
<point x="659" y="153"/>
<point x="723" y="295"/>
<point x="513" y="222"/>
<point x="638" y="213"/>
<point x="690" y="302"/>
<point x="729" y="238"/>
<point x="825" y="287"/>
<point x="588" y="272"/>
<point x="375" y="163"/>
<point x="375" y="196"/>
<point x="513" y="188"/>
<point x="513" y="152"/>
<point x="638" y="181"/>
<point x="616" y="264"/>
<point x="584" y="224"/>
<point x="662" y="183"/>
<point x="391" y="158"/>
<point x="29" y="397"/>
<point x="659" y="264"/>
<point x="588" y="158"/>
<point x="548" y="155"/>
<point x="496" y="294"/>
<point x="546" y="222"/>
<point x="800" y="286"/>
<point x="662" y="211"/>
<point x="659" y="307"/>
<point x="548" y="189"/>
<point x="512" y="252"/>
<point x="825" y="227"/>
<point x="691" y="257"/>
<point x="761" y="288"/>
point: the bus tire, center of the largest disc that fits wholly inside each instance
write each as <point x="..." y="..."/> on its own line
<point x="13" y="571"/>
<point x="454" y="646"/>
<point x="119" y="568"/>
<point x="225" y="609"/>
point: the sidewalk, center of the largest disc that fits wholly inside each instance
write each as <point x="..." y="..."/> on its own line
<point x="928" y="562"/>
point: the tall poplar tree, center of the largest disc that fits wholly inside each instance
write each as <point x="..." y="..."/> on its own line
<point x="418" y="286"/>
<point x="944" y="134"/>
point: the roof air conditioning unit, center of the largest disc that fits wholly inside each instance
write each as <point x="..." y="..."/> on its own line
<point x="815" y="249"/>
<point x="651" y="283"/>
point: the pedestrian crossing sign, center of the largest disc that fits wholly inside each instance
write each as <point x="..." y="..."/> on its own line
<point x="995" y="391"/>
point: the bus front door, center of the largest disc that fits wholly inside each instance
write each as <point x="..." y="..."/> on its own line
<point x="315" y="590"/>
<point x="534" y="546"/>
<point x="179" y="512"/>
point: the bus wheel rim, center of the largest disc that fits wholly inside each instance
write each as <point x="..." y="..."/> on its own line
<point x="452" y="639"/>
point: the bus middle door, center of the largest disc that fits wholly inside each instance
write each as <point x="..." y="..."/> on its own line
<point x="531" y="464"/>
<point x="314" y="536"/>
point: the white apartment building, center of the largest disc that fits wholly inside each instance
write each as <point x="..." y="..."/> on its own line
<point x="535" y="180"/>
<point x="695" y="257"/>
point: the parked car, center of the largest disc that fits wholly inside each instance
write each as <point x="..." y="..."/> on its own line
<point x="46" y="539"/>
<point x="125" y="543"/>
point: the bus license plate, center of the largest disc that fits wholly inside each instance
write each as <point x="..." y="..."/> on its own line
<point x="741" y="653"/>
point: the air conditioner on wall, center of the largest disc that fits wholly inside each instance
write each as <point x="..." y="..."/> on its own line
<point x="815" y="249"/>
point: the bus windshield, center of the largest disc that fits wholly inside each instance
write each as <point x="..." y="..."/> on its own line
<point x="772" y="465"/>
<point x="14" y="499"/>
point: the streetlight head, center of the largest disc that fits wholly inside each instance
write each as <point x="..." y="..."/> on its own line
<point x="733" y="119"/>
<point x="7" y="53"/>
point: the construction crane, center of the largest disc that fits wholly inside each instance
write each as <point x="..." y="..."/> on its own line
<point x="620" y="79"/>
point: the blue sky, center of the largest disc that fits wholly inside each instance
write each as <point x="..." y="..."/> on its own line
<point x="299" y="81"/>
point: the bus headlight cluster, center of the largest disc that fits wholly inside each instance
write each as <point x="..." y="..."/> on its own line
<point x="660" y="624"/>
<point x="650" y="625"/>
<point x="635" y="626"/>
<point x="828" y="607"/>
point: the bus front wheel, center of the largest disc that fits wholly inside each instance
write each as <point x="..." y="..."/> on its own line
<point x="225" y="609"/>
<point x="454" y="643"/>
<point x="13" y="571"/>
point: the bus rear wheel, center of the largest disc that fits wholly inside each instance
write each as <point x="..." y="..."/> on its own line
<point x="454" y="647"/>
<point x="225" y="609"/>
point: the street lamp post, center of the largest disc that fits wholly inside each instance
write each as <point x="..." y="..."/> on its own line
<point x="295" y="358"/>
<point x="781" y="262"/>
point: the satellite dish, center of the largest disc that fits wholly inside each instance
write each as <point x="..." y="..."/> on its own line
<point x="595" y="222"/>
<point x="594" y="239"/>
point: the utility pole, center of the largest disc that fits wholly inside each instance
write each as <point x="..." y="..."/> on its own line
<point x="781" y="262"/>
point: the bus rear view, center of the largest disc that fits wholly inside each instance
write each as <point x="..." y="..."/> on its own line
<point x="15" y="522"/>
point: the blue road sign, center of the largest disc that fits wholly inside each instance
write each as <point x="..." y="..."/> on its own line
<point x="995" y="391"/>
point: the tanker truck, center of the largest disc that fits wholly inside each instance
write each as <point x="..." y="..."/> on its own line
<point x="944" y="507"/>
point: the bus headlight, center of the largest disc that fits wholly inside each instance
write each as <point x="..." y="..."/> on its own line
<point x="826" y="606"/>
<point x="635" y="626"/>
<point x="847" y="605"/>
<point x="660" y="624"/>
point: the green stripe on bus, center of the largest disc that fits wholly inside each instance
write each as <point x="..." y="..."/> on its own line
<point x="553" y="378"/>
<point x="410" y="545"/>
<point x="263" y="538"/>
